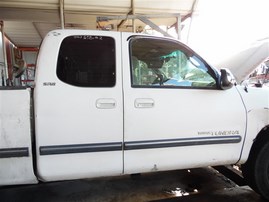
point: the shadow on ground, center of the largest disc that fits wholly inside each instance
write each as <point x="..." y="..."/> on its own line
<point x="196" y="185"/>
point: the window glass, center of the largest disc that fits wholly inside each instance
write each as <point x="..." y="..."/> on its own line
<point x="87" y="61"/>
<point x="164" y="63"/>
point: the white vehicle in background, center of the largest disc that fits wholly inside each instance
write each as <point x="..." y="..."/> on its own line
<point x="111" y="103"/>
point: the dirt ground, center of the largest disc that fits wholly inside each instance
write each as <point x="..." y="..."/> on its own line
<point x="196" y="185"/>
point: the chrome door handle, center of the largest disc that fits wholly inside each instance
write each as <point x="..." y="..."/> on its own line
<point x="144" y="103"/>
<point x="105" y="103"/>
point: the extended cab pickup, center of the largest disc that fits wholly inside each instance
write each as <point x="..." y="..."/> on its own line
<point x="111" y="103"/>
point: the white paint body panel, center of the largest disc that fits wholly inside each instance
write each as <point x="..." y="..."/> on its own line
<point x="67" y="115"/>
<point x="179" y="114"/>
<point x="257" y="104"/>
<point x="15" y="132"/>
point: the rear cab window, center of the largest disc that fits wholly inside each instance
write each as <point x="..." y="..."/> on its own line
<point x="87" y="61"/>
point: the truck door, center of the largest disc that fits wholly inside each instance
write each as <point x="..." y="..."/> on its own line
<point x="175" y="115"/>
<point x="79" y="110"/>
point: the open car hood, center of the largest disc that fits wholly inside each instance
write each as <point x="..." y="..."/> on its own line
<point x="244" y="62"/>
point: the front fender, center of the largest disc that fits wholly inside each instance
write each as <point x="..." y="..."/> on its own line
<point x="256" y="102"/>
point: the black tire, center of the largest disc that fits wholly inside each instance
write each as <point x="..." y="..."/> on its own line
<point x="256" y="171"/>
<point x="248" y="174"/>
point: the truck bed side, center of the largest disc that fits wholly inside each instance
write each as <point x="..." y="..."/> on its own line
<point x="16" y="159"/>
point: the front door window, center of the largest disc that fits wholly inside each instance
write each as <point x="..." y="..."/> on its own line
<point x="163" y="63"/>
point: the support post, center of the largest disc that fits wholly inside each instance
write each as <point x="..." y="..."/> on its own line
<point x="62" y="13"/>
<point x="131" y="12"/>
<point x="5" y="70"/>
<point x="194" y="5"/>
<point x="133" y="20"/>
<point x="179" y="27"/>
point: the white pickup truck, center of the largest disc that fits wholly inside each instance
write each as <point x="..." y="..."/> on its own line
<point x="111" y="103"/>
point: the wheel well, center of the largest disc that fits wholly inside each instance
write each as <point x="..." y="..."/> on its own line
<point x="261" y="139"/>
<point x="250" y="166"/>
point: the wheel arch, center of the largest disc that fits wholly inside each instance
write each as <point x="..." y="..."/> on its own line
<point x="253" y="167"/>
<point x="261" y="139"/>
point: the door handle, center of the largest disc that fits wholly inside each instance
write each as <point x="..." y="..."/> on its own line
<point x="144" y="103"/>
<point x="105" y="103"/>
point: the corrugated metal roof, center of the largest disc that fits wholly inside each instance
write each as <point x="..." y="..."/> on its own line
<point x="27" y="22"/>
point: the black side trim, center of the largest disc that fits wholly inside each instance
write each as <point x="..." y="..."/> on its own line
<point x="13" y="87"/>
<point x="80" y="148"/>
<point x="14" y="152"/>
<point x="152" y="144"/>
<point x="149" y="144"/>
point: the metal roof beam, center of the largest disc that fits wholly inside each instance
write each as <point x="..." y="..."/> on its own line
<point x="144" y="19"/>
<point x="123" y="17"/>
<point x="154" y="26"/>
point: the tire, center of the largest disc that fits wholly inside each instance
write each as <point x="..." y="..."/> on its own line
<point x="256" y="171"/>
<point x="248" y="174"/>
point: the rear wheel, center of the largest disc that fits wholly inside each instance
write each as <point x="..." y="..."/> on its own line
<point x="256" y="171"/>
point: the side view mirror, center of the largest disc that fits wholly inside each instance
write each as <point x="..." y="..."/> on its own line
<point x="227" y="79"/>
<point x="258" y="84"/>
